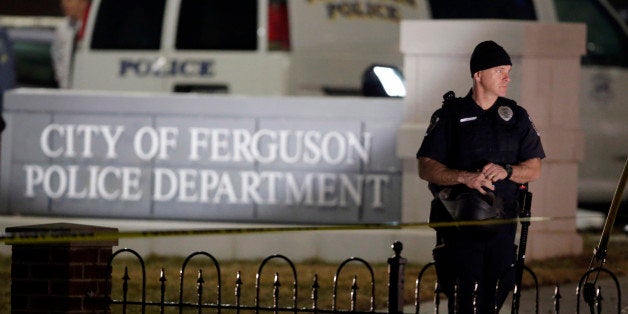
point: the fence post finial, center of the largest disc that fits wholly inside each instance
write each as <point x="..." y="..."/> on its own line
<point x="396" y="279"/>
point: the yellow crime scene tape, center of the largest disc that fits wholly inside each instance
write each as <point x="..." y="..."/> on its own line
<point x="18" y="238"/>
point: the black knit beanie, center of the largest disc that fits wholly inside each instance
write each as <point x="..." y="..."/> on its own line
<point x="486" y="55"/>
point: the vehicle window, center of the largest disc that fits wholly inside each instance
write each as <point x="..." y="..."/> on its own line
<point x="606" y="41"/>
<point x="217" y="25"/>
<point x="132" y="25"/>
<point x="483" y="9"/>
<point x="29" y="52"/>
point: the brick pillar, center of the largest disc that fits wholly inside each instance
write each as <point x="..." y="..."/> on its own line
<point x="66" y="277"/>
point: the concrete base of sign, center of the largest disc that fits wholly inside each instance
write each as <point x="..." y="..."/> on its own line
<point x="331" y="246"/>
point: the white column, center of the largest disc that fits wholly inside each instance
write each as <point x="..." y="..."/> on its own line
<point x="545" y="80"/>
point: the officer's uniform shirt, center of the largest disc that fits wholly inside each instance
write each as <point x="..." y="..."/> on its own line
<point x="463" y="136"/>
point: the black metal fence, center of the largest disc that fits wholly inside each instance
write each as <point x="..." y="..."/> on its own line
<point x="395" y="284"/>
<point x="143" y="305"/>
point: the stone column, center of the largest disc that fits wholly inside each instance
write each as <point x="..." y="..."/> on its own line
<point x="545" y="80"/>
<point x="66" y="277"/>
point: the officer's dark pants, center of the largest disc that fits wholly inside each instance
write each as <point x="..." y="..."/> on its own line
<point x="464" y="259"/>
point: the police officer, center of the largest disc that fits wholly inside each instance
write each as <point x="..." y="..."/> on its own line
<point x="68" y="34"/>
<point x="7" y="69"/>
<point x="487" y="144"/>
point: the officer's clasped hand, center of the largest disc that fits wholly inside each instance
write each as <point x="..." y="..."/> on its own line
<point x="494" y="172"/>
<point x="478" y="181"/>
<point x="483" y="180"/>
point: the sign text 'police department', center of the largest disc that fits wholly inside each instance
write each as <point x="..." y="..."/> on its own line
<point x="100" y="181"/>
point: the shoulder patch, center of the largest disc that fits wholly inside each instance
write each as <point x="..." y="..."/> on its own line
<point x="433" y="122"/>
<point x="534" y="126"/>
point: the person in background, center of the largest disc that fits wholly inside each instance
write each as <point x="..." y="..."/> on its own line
<point x="7" y="70"/>
<point x="478" y="146"/>
<point x="67" y="35"/>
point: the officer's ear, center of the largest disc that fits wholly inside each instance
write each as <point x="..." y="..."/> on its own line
<point x="476" y="76"/>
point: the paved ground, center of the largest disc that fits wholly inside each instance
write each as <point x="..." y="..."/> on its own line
<point x="568" y="301"/>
